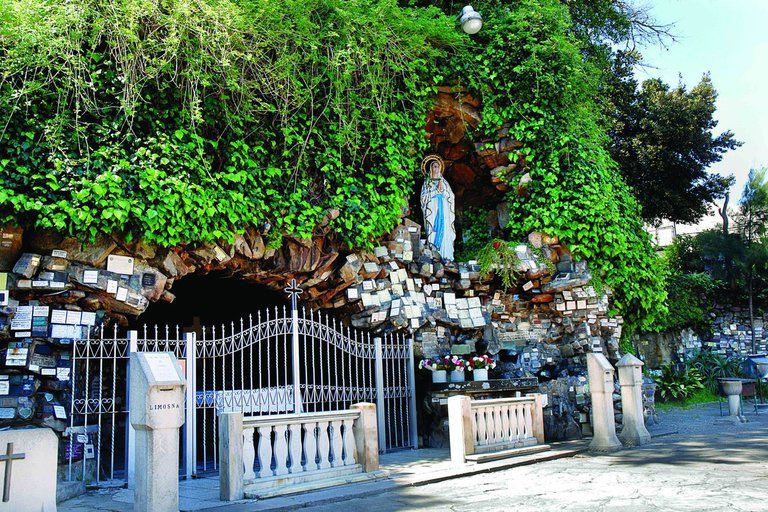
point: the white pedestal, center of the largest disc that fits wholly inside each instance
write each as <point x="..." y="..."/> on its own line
<point x="601" y="391"/>
<point x="633" y="432"/>
<point x="157" y="471"/>
<point x="156" y="413"/>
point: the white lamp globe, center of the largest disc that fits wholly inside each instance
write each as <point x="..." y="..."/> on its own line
<point x="470" y="19"/>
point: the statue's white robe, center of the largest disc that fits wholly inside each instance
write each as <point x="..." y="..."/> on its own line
<point x="439" y="215"/>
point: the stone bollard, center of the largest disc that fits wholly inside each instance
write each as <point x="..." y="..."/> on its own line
<point x="633" y="432"/>
<point x="460" y="428"/>
<point x="601" y="391"/>
<point x="231" y="456"/>
<point x="367" y="437"/>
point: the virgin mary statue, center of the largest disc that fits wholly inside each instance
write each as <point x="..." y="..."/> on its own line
<point x="438" y="205"/>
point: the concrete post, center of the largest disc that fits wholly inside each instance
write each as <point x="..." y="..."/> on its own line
<point x="366" y="437"/>
<point x="538" y="416"/>
<point x="130" y="439"/>
<point x="414" y="431"/>
<point x="379" y="375"/>
<point x="460" y="428"/>
<point x="601" y="390"/>
<point x="190" y="426"/>
<point x="231" y="456"/>
<point x="156" y="412"/>
<point x="633" y="432"/>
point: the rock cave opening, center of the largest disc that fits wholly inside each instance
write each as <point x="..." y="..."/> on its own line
<point x="210" y="299"/>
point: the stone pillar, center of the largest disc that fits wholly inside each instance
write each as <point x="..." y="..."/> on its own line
<point x="366" y="436"/>
<point x="156" y="412"/>
<point x="601" y="391"/>
<point x="460" y="428"/>
<point x="231" y="456"/>
<point x="633" y="432"/>
<point x="538" y="416"/>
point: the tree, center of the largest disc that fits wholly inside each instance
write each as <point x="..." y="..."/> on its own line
<point x="662" y="139"/>
<point x="752" y="223"/>
<point x="690" y="289"/>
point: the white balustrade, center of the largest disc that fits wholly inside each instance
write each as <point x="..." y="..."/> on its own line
<point x="502" y="423"/>
<point x="297" y="448"/>
<point x="483" y="426"/>
<point x="249" y="454"/>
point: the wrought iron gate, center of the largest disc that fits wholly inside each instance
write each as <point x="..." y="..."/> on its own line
<point x="280" y="361"/>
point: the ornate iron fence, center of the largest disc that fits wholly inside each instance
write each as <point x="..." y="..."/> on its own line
<point x="280" y="361"/>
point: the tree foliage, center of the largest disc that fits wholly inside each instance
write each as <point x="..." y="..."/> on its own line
<point x="531" y="74"/>
<point x="662" y="137"/>
<point x="690" y="291"/>
<point x="731" y="267"/>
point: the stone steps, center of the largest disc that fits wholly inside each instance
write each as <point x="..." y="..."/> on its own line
<point x="253" y="492"/>
<point x="479" y="458"/>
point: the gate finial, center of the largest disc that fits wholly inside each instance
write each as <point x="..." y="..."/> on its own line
<point x="293" y="290"/>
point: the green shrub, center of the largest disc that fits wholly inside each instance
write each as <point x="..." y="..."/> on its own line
<point x="703" y="396"/>
<point x="677" y="385"/>
<point x="690" y="290"/>
<point x="712" y="366"/>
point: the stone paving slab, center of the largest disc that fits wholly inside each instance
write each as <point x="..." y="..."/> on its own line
<point x="704" y="467"/>
<point x="692" y="464"/>
<point x="407" y="468"/>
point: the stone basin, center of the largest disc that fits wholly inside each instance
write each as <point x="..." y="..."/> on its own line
<point x="732" y="385"/>
<point x="732" y="388"/>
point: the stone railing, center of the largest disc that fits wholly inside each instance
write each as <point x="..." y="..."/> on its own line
<point x="267" y="455"/>
<point x="484" y="426"/>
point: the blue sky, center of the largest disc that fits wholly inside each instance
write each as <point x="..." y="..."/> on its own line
<point x="729" y="40"/>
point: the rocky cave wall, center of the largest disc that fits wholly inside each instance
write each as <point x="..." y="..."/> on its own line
<point x="60" y="288"/>
<point x="54" y="289"/>
<point x="731" y="336"/>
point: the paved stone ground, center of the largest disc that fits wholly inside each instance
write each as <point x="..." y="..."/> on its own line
<point x="706" y="466"/>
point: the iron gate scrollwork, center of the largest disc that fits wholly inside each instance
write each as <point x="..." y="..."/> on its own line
<point x="280" y="361"/>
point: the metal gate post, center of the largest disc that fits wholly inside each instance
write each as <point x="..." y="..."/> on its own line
<point x="295" y="359"/>
<point x="294" y="290"/>
<point x="130" y="460"/>
<point x="380" y="416"/>
<point x="412" y="396"/>
<point x="190" y="425"/>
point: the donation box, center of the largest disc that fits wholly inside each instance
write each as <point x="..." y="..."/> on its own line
<point x="156" y="409"/>
<point x="157" y="391"/>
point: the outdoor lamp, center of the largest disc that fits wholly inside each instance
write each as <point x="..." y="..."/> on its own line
<point x="470" y="19"/>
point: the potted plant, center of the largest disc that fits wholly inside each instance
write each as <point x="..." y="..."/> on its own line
<point x="456" y="365"/>
<point x="480" y="366"/>
<point x="437" y="367"/>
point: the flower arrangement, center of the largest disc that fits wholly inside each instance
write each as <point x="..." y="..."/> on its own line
<point x="455" y="363"/>
<point x="484" y="362"/>
<point x="448" y="363"/>
<point x="432" y="364"/>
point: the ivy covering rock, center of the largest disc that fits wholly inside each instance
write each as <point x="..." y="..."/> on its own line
<point x="187" y="124"/>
